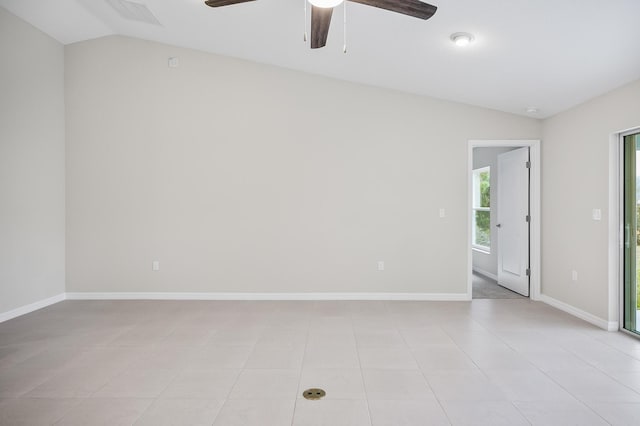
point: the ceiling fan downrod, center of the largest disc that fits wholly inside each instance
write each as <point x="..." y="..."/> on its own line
<point x="305" y="21"/>
<point x="344" y="29"/>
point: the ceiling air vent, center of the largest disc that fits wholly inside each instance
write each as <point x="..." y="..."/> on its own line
<point x="134" y="11"/>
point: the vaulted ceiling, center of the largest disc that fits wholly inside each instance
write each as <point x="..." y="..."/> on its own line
<point x="548" y="54"/>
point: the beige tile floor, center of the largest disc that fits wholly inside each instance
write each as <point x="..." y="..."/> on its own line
<point x="486" y="362"/>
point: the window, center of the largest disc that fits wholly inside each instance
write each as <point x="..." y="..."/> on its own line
<point x="481" y="233"/>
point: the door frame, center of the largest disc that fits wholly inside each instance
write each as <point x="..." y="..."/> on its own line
<point x="616" y="230"/>
<point x="534" y="208"/>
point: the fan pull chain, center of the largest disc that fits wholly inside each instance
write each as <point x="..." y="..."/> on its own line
<point x="305" y="21"/>
<point x="344" y="29"/>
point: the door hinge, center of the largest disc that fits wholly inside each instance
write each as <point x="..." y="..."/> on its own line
<point x="528" y="164"/>
<point x="527" y="218"/>
<point x="528" y="272"/>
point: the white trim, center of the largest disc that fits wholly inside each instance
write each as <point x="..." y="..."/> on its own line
<point x="6" y="316"/>
<point x="616" y="225"/>
<point x="485" y="273"/>
<point x="270" y="296"/>
<point x="534" y="208"/>
<point x="615" y="258"/>
<point x="479" y="250"/>
<point x="584" y="315"/>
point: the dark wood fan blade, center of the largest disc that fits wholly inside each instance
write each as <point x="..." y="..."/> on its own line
<point x="218" y="3"/>
<point x="320" y="21"/>
<point x="414" y="8"/>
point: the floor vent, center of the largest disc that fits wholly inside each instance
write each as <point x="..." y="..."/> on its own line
<point x="314" y="393"/>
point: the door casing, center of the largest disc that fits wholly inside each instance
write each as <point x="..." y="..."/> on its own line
<point x="534" y="153"/>
<point x="617" y="230"/>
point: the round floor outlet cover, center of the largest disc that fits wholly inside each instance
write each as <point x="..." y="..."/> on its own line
<point x="313" y="393"/>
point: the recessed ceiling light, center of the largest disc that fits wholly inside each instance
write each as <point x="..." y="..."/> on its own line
<point x="532" y="110"/>
<point x="462" y="39"/>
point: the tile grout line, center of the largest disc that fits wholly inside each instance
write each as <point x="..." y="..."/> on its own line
<point x="481" y="320"/>
<point x="552" y="379"/>
<point x="304" y="355"/>
<point x="422" y="373"/>
<point x="366" y="394"/>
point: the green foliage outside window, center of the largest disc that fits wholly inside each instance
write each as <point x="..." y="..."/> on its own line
<point x="638" y="258"/>
<point x="485" y="190"/>
<point x="483" y="234"/>
<point x="638" y="277"/>
<point x="482" y="217"/>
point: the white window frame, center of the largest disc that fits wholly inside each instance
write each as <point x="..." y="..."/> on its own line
<point x="475" y="208"/>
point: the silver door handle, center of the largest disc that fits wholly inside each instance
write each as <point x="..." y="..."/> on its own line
<point x="626" y="235"/>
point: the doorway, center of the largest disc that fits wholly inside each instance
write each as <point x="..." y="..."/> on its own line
<point x="631" y="245"/>
<point x="504" y="220"/>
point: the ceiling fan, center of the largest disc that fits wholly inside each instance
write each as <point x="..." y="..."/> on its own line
<point x="321" y="11"/>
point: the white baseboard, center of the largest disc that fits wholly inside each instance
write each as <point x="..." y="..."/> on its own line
<point x="485" y="273"/>
<point x="270" y="296"/>
<point x="590" y="318"/>
<point x="6" y="316"/>
<point x="579" y="313"/>
<point x="451" y="297"/>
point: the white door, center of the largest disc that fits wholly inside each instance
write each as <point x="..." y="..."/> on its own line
<point x="513" y="224"/>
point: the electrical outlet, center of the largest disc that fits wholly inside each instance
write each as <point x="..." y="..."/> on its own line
<point x="596" y="214"/>
<point x="574" y="275"/>
<point x="380" y="265"/>
<point x="155" y="265"/>
<point x="442" y="213"/>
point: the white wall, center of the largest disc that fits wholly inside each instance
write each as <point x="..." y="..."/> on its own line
<point x="482" y="262"/>
<point x="240" y="177"/>
<point x="245" y="177"/>
<point x="32" y="158"/>
<point x="575" y="180"/>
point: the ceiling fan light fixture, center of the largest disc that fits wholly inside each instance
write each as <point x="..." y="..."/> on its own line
<point x="462" y="39"/>
<point x="325" y="3"/>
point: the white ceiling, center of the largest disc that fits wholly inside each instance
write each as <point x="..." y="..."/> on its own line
<point x="551" y="54"/>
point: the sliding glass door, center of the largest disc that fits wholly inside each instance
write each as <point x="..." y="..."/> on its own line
<point x="631" y="290"/>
